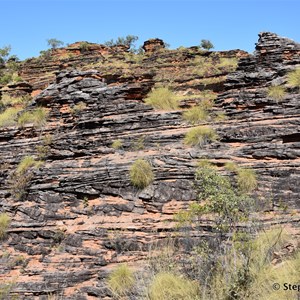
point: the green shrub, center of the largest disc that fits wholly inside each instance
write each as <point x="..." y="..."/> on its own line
<point x="141" y="174"/>
<point x="294" y="78"/>
<point x="54" y="43"/>
<point x="162" y="98"/>
<point x="5" y="79"/>
<point x="8" y="117"/>
<point x="200" y="135"/>
<point x="117" y="144"/>
<point x="121" y="280"/>
<point x="205" y="163"/>
<point x="37" y="117"/>
<point x="195" y="115"/>
<point x="83" y="47"/>
<point x="246" y="180"/>
<point x="4" y="224"/>
<point x="206" y="44"/>
<point x="166" y="286"/>
<point x="26" y="163"/>
<point x="276" y="92"/>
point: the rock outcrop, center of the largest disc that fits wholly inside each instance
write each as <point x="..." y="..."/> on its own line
<point x="80" y="214"/>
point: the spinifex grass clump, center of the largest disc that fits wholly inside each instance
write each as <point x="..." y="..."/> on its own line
<point x="37" y="117"/>
<point x="276" y="92"/>
<point x="121" y="280"/>
<point x="195" y="115"/>
<point x="26" y="163"/>
<point x="166" y="286"/>
<point x="8" y="117"/>
<point x="200" y="135"/>
<point x="141" y="174"/>
<point x="4" y="223"/>
<point x="246" y="180"/>
<point x="162" y="98"/>
<point x="117" y="144"/>
<point x="293" y="78"/>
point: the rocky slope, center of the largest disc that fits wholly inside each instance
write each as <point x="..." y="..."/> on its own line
<point x="80" y="214"/>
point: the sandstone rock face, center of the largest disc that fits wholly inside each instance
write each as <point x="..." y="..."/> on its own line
<point x="153" y="45"/>
<point x="80" y="214"/>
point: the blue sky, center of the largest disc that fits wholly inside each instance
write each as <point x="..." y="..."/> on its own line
<point x="229" y="24"/>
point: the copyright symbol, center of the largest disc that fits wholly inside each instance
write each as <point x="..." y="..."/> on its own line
<point x="276" y="286"/>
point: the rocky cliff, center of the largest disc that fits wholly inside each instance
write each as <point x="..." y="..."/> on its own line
<point x="79" y="214"/>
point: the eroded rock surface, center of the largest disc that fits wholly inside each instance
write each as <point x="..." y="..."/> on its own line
<point x="80" y="214"/>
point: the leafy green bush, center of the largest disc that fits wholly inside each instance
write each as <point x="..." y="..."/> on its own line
<point x="4" y="223"/>
<point x="26" y="163"/>
<point x="6" y="78"/>
<point x="54" y="43"/>
<point x="206" y="44"/>
<point x="294" y="78"/>
<point x="121" y="280"/>
<point x="8" y="117"/>
<point x="200" y="135"/>
<point x="141" y="174"/>
<point x="246" y="180"/>
<point x="220" y="198"/>
<point x="4" y="53"/>
<point x="128" y="41"/>
<point x="166" y="286"/>
<point x="37" y="117"/>
<point x="276" y="92"/>
<point x="162" y="98"/>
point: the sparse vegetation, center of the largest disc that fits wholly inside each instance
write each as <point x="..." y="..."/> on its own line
<point x="141" y="174"/>
<point x="206" y="44"/>
<point x="4" y="53"/>
<point x="231" y="166"/>
<point x="139" y="144"/>
<point x="228" y="64"/>
<point x="37" y="117"/>
<point x="4" y="224"/>
<point x="276" y="92"/>
<point x="8" y="117"/>
<point x="77" y="108"/>
<point x="195" y="115"/>
<point x="162" y="98"/>
<point x="293" y="78"/>
<point x="200" y="135"/>
<point x="26" y="163"/>
<point x="84" y="46"/>
<point x="127" y="41"/>
<point x="121" y="280"/>
<point x="54" y="43"/>
<point x="5" y="290"/>
<point x="47" y="139"/>
<point x="246" y="180"/>
<point x="166" y="286"/>
<point x="117" y="144"/>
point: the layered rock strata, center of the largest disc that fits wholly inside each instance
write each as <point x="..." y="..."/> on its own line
<point x="81" y="215"/>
